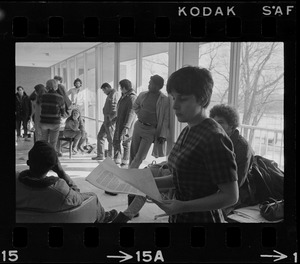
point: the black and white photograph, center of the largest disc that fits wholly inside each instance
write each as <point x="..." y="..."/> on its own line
<point x="125" y="102"/>
<point x="148" y="132"/>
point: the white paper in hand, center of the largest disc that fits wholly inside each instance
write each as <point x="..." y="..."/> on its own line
<point x="141" y="180"/>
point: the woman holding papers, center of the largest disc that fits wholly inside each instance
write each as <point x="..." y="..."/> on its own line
<point x="202" y="162"/>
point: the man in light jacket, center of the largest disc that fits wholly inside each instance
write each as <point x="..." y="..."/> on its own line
<point x="152" y="109"/>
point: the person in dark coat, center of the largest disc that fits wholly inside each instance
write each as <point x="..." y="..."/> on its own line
<point x="228" y="117"/>
<point x="23" y="112"/>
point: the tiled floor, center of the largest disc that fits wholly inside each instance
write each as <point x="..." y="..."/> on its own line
<point x="78" y="168"/>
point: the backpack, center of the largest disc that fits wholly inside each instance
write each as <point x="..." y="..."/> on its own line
<point x="159" y="169"/>
<point x="266" y="180"/>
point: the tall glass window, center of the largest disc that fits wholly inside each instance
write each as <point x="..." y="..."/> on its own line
<point x="215" y="56"/>
<point x="128" y="62"/>
<point x="79" y="67"/>
<point x="260" y="101"/>
<point x="80" y="74"/>
<point x="90" y="102"/>
<point x="106" y="73"/>
<point x="72" y="72"/>
<point x="57" y="69"/>
<point x="63" y="67"/>
<point x="155" y="61"/>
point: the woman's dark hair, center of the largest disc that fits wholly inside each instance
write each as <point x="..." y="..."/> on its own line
<point x="40" y="90"/>
<point x="58" y="78"/>
<point x="126" y="84"/>
<point x="77" y="80"/>
<point x="192" y="80"/>
<point x="105" y="85"/>
<point x="228" y="112"/>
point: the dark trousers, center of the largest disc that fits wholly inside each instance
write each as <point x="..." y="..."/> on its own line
<point x="21" y="121"/>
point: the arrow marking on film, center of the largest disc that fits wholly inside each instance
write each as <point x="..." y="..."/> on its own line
<point x="278" y="257"/>
<point x="123" y="258"/>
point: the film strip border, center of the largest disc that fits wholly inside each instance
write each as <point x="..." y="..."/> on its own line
<point x="154" y="243"/>
<point x="164" y="21"/>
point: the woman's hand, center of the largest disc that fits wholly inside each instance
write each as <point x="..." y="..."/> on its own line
<point x="171" y="207"/>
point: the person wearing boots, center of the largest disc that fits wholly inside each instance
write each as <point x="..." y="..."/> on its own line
<point x="74" y="128"/>
<point x="39" y="192"/>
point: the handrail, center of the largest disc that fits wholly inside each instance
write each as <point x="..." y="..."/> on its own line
<point x="90" y="118"/>
<point x="263" y="128"/>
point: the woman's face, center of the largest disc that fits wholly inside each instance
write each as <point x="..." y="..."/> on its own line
<point x="75" y="115"/>
<point x="186" y="107"/>
<point x="77" y="84"/>
<point x="20" y="91"/>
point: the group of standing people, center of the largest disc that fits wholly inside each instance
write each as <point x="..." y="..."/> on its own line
<point x="51" y="109"/>
<point x="135" y="122"/>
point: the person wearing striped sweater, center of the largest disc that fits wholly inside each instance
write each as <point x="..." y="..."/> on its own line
<point x="52" y="110"/>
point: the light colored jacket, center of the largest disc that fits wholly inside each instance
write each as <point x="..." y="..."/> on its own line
<point x="163" y="121"/>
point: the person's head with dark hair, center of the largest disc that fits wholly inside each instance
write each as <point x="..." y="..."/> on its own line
<point x="20" y="91"/>
<point x="156" y="83"/>
<point x="41" y="158"/>
<point x="192" y="80"/>
<point x="191" y="89"/>
<point x="106" y="88"/>
<point x="58" y="78"/>
<point x="227" y="116"/>
<point x="125" y="85"/>
<point x="77" y="83"/>
<point x="51" y="85"/>
<point x="39" y="90"/>
<point x="19" y="88"/>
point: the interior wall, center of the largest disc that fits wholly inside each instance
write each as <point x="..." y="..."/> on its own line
<point x="28" y="77"/>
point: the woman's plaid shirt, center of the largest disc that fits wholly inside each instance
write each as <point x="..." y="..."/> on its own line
<point x="201" y="159"/>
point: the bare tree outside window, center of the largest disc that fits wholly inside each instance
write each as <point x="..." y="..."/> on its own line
<point x="260" y="95"/>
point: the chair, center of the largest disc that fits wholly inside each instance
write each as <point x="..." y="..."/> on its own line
<point x="85" y="213"/>
<point x="61" y="137"/>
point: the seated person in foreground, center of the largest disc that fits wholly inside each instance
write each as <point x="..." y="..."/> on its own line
<point x="228" y="117"/>
<point x="74" y="128"/>
<point x="39" y="192"/>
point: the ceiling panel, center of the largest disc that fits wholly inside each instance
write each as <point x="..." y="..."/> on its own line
<point x="45" y="54"/>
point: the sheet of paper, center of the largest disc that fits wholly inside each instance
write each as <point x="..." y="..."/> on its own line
<point x="106" y="180"/>
<point x="139" y="179"/>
